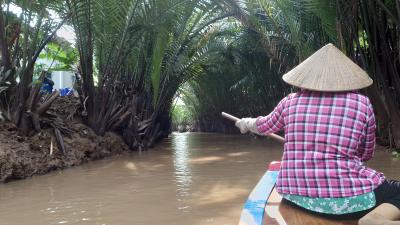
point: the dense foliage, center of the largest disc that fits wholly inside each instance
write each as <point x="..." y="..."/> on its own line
<point x="245" y="80"/>
<point x="136" y="56"/>
<point x="140" y="52"/>
<point x="276" y="35"/>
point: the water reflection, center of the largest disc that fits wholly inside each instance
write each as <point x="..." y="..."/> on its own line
<point x="182" y="173"/>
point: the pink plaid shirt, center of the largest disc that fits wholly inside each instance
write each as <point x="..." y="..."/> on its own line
<point x="327" y="136"/>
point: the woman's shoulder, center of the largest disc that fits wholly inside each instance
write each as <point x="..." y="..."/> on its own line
<point x="356" y="96"/>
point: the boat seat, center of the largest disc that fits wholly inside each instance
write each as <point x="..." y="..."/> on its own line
<point x="277" y="212"/>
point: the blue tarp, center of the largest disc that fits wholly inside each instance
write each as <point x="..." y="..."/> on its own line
<point x="66" y="91"/>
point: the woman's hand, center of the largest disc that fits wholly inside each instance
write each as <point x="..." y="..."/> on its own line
<point x="247" y="124"/>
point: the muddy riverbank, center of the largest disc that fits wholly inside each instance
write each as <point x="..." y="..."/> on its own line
<point x="22" y="156"/>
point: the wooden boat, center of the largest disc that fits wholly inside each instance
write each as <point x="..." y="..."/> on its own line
<point x="265" y="206"/>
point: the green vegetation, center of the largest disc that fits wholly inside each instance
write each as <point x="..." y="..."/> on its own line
<point x="182" y="119"/>
<point x="135" y="56"/>
<point x="275" y="35"/>
<point x="22" y="39"/>
<point x="143" y="51"/>
<point x="245" y="78"/>
<point x="62" y="57"/>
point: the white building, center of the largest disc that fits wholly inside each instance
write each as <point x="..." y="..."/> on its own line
<point x="63" y="79"/>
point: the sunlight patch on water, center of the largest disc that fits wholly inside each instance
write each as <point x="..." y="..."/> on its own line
<point x="222" y="193"/>
<point x="130" y="165"/>
<point x="236" y="154"/>
<point x="204" y="160"/>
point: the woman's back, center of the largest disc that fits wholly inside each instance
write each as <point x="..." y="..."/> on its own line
<point x="327" y="135"/>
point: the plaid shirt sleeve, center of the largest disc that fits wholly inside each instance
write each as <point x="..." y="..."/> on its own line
<point x="367" y="147"/>
<point x="274" y="122"/>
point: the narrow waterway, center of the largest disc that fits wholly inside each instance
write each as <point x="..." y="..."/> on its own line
<point x="191" y="178"/>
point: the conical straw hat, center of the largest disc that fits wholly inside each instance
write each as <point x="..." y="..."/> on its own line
<point x="328" y="69"/>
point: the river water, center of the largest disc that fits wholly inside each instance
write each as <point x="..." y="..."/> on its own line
<point x="190" y="178"/>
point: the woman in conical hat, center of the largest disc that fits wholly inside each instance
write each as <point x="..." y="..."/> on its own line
<point x="329" y="133"/>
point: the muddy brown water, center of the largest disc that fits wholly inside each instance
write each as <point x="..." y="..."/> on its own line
<point x="190" y="178"/>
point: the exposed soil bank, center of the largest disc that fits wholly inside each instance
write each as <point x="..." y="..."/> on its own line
<point x="22" y="156"/>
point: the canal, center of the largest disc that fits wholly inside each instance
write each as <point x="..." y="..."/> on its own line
<point x="190" y="178"/>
